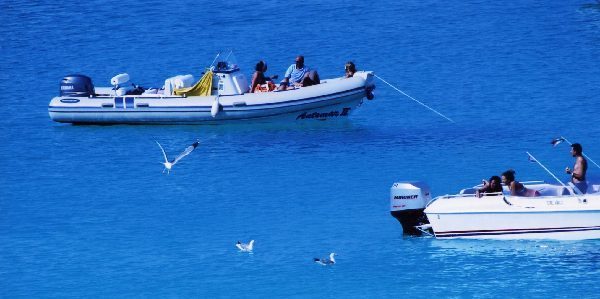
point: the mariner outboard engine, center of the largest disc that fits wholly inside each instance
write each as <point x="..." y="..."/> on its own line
<point x="76" y="86"/>
<point x="407" y="202"/>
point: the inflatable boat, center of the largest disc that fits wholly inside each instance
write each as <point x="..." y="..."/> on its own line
<point x="221" y="95"/>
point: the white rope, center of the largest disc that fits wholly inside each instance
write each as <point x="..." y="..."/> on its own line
<point x="402" y="92"/>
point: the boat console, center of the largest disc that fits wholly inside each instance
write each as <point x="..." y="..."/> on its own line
<point x="229" y="80"/>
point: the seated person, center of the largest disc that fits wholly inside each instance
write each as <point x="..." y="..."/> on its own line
<point x="259" y="78"/>
<point x="299" y="75"/>
<point x="493" y="186"/>
<point x="516" y="188"/>
<point x="350" y="69"/>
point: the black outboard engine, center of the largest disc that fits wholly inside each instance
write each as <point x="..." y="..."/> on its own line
<point x="407" y="202"/>
<point x="76" y="86"/>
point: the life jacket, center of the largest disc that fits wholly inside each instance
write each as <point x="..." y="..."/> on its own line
<point x="269" y="86"/>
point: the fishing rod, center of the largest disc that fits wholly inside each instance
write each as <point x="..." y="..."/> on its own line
<point x="422" y="104"/>
<point x="533" y="159"/>
<point x="556" y="141"/>
<point x="213" y="62"/>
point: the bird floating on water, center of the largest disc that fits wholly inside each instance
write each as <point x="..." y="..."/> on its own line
<point x="325" y="261"/>
<point x="169" y="164"/>
<point x="245" y="247"/>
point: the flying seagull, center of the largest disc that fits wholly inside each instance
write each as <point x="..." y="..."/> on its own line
<point x="324" y="261"/>
<point x="245" y="247"/>
<point x="169" y="164"/>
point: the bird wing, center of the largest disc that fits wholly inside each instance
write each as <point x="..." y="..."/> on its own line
<point x="250" y="245"/>
<point x="239" y="246"/>
<point x="186" y="152"/>
<point x="163" y="151"/>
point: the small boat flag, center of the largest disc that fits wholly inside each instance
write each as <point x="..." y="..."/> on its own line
<point x="557" y="141"/>
<point x="531" y="159"/>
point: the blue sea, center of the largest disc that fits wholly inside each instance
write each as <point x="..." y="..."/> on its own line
<point x="86" y="212"/>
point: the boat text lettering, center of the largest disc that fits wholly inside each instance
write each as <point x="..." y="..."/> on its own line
<point x="406" y="196"/>
<point x="324" y="115"/>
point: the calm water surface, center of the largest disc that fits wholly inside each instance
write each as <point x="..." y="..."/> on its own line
<point x="86" y="212"/>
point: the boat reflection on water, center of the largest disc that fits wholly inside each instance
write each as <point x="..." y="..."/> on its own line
<point x="544" y="249"/>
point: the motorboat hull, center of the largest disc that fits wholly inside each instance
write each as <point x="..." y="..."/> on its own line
<point x="517" y="225"/>
<point x="505" y="217"/>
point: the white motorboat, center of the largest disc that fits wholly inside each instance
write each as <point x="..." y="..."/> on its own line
<point x="560" y="212"/>
<point x="221" y="95"/>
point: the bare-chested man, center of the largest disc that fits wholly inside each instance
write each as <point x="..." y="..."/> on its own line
<point x="579" y="169"/>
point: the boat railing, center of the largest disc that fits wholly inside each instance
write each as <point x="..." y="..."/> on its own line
<point x="473" y="195"/>
<point x="533" y="182"/>
<point x="470" y="195"/>
<point x="153" y="96"/>
<point x="524" y="183"/>
<point x="545" y="190"/>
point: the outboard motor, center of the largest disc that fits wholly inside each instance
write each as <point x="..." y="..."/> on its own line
<point x="369" y="85"/>
<point x="369" y="91"/>
<point x="76" y="86"/>
<point x="407" y="202"/>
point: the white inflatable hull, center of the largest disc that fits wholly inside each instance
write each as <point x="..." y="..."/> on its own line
<point x="504" y="217"/>
<point x="332" y="99"/>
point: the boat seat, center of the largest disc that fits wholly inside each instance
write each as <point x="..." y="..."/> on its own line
<point x="553" y="191"/>
<point x="103" y="91"/>
<point x="468" y="191"/>
<point x="574" y="188"/>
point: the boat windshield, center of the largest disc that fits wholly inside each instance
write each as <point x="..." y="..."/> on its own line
<point x="225" y="63"/>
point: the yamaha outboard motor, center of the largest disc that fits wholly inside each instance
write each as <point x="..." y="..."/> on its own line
<point x="76" y="86"/>
<point x="407" y="202"/>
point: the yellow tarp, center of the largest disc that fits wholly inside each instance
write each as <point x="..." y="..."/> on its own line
<point x="201" y="88"/>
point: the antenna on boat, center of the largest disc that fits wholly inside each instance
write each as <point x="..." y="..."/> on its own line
<point x="556" y="141"/>
<point x="228" y="54"/>
<point x="533" y="159"/>
<point x="402" y="92"/>
<point x="213" y="62"/>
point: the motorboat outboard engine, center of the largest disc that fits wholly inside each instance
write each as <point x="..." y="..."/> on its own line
<point x="76" y="86"/>
<point x="369" y="91"/>
<point x="407" y="202"/>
